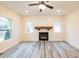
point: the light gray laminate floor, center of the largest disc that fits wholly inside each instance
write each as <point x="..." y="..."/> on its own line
<point x="42" y="49"/>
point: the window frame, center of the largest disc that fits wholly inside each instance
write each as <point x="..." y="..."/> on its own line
<point x="10" y="23"/>
<point x="29" y="27"/>
<point x="57" y="29"/>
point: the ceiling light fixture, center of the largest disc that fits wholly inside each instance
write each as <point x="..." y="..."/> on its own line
<point x="26" y="11"/>
<point x="58" y="11"/>
<point x="42" y="7"/>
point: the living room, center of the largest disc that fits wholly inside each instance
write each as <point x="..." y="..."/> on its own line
<point x="45" y="32"/>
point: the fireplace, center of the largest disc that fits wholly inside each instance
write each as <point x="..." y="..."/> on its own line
<point x="43" y="36"/>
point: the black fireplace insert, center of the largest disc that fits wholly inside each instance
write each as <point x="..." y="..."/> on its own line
<point x="43" y="36"/>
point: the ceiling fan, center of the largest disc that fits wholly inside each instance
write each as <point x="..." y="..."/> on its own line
<point x="42" y="5"/>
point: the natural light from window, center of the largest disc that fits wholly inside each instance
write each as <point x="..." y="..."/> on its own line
<point x="29" y="27"/>
<point x="5" y="29"/>
<point x="57" y="26"/>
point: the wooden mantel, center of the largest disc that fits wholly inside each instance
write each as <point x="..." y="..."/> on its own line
<point x="43" y="27"/>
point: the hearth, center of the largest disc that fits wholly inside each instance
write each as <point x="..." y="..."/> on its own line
<point x="43" y="36"/>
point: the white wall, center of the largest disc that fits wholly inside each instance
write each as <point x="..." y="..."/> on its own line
<point x="19" y="25"/>
<point x="42" y="21"/>
<point x="72" y="28"/>
<point x="16" y="28"/>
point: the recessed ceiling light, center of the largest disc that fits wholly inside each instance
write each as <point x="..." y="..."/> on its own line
<point x="58" y="11"/>
<point x="26" y="11"/>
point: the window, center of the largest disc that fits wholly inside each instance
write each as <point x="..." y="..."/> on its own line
<point x="57" y="26"/>
<point x="29" y="27"/>
<point x="5" y="29"/>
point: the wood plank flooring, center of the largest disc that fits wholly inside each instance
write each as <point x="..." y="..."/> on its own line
<point x="42" y="49"/>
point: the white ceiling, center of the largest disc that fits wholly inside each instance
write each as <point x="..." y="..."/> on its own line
<point x="21" y="6"/>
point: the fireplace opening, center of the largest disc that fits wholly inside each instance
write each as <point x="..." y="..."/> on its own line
<point x="43" y="36"/>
